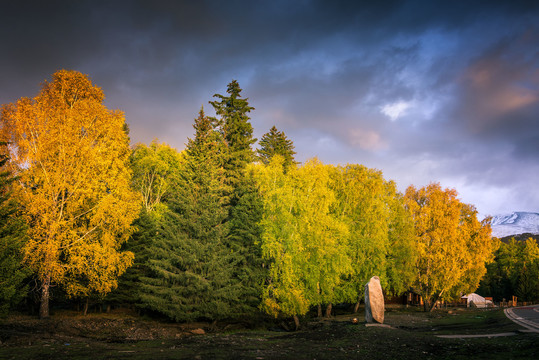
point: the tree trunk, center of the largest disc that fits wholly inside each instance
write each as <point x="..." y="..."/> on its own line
<point x="319" y="310"/>
<point x="434" y="301"/>
<point x="45" y="296"/>
<point x="356" y="307"/>
<point x="85" y="307"/>
<point x="328" y="310"/>
<point x="296" y="322"/>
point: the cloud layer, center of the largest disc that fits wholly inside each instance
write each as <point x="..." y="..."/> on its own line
<point x="421" y="90"/>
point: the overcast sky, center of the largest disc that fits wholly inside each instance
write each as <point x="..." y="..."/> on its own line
<point x="425" y="91"/>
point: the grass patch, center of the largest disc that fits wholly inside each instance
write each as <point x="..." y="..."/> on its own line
<point x="413" y="334"/>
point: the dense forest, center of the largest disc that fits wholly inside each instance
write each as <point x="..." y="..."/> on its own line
<point x="222" y="230"/>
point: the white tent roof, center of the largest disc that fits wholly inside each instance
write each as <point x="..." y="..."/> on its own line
<point x="474" y="297"/>
<point x="477" y="300"/>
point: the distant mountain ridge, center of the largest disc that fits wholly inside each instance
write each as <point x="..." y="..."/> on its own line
<point x="515" y="223"/>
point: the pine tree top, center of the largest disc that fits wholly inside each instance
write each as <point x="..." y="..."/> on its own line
<point x="273" y="143"/>
<point x="237" y="131"/>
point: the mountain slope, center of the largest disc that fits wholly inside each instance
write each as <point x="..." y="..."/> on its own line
<point x="514" y="224"/>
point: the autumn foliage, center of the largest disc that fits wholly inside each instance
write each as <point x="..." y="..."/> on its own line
<point x="71" y="154"/>
<point x="218" y="235"/>
<point x="452" y="245"/>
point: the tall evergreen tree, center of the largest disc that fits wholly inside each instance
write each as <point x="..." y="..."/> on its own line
<point x="12" y="233"/>
<point x="273" y="143"/>
<point x="191" y="264"/>
<point x="236" y="129"/>
<point x="244" y="239"/>
<point x="244" y="202"/>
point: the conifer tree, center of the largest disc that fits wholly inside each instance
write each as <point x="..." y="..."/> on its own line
<point x="244" y="202"/>
<point x="244" y="236"/>
<point x="273" y="143"/>
<point x="156" y="170"/>
<point x="191" y="265"/>
<point x="236" y="129"/>
<point x="140" y="244"/>
<point x="12" y="235"/>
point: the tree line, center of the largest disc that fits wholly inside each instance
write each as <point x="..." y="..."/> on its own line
<point x="218" y="231"/>
<point x="515" y="271"/>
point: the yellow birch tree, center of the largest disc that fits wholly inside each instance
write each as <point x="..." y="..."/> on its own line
<point x="301" y="238"/>
<point x="71" y="154"/>
<point x="452" y="245"/>
<point x="379" y="240"/>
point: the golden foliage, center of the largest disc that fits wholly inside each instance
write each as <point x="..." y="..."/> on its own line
<point x="301" y="237"/>
<point x="71" y="153"/>
<point x="452" y="245"/>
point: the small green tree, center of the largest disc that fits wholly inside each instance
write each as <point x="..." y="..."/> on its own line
<point x="156" y="170"/>
<point x="528" y="285"/>
<point x="273" y="143"/>
<point x="12" y="236"/>
<point x="401" y="255"/>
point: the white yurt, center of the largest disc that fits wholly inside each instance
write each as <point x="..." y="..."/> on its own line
<point x="476" y="300"/>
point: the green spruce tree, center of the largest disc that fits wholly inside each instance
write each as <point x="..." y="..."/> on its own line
<point x="129" y="289"/>
<point x="273" y="143"/>
<point x="244" y="201"/>
<point x="236" y="129"/>
<point x="156" y="170"/>
<point x="191" y="265"/>
<point x="12" y="235"/>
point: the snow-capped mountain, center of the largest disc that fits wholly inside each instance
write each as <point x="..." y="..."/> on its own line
<point x="514" y="224"/>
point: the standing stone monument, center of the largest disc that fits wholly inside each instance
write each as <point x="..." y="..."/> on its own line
<point x="374" y="301"/>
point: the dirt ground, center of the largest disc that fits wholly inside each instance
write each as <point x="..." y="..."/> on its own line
<point x="126" y="336"/>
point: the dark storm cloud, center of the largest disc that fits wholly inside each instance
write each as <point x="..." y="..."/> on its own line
<point x="500" y="94"/>
<point x="424" y="90"/>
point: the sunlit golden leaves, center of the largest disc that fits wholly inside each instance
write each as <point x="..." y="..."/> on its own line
<point x="452" y="245"/>
<point x="72" y="155"/>
<point x="301" y="237"/>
